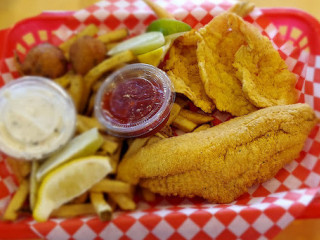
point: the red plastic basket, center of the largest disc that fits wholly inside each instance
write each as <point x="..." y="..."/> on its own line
<point x="263" y="212"/>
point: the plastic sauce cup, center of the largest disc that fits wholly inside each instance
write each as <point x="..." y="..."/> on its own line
<point x="135" y="101"/>
<point x="37" y="118"/>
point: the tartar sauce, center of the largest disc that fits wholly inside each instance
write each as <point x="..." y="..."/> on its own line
<point x="37" y="118"/>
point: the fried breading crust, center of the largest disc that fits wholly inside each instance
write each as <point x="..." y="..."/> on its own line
<point x="221" y="163"/>
<point x="182" y="69"/>
<point x="219" y="41"/>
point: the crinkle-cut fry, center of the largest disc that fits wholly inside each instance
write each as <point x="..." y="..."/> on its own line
<point x="73" y="210"/>
<point x="33" y="184"/>
<point x="80" y="199"/>
<point x="243" y="8"/>
<point x="195" y="117"/>
<point x="102" y="208"/>
<point x="109" y="64"/>
<point x="174" y="113"/>
<point x="124" y="201"/>
<point x="90" y="106"/>
<point x="111" y="186"/>
<point x="17" y="201"/>
<point x="76" y="90"/>
<point x="20" y="168"/>
<point x="147" y="195"/>
<point x="184" y="124"/>
<point x="159" y="11"/>
<point x="90" y="30"/>
<point x="114" y="36"/>
<point x="202" y="127"/>
<point x="111" y="45"/>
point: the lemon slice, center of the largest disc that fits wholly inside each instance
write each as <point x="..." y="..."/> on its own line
<point x="85" y="144"/>
<point x="140" y="44"/>
<point x="67" y="182"/>
<point x="168" y="26"/>
<point x="156" y="56"/>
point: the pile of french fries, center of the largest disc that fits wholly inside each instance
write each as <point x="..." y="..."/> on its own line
<point x="103" y="198"/>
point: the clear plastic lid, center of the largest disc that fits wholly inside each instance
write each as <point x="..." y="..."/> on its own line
<point x="37" y="118"/>
<point x="134" y="101"/>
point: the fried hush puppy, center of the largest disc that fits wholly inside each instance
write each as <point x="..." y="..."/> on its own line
<point x="85" y="53"/>
<point x="44" y="60"/>
<point x="221" y="163"/>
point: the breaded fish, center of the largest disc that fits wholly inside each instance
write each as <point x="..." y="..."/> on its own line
<point x="239" y="67"/>
<point x="221" y="163"/>
<point x="182" y="69"/>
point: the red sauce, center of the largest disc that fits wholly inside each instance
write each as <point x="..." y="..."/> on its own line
<point x="132" y="101"/>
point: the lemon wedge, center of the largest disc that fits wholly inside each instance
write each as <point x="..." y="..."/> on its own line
<point x="67" y="182"/>
<point x="85" y="144"/>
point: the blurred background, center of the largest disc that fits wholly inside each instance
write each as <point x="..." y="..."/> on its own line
<point x="12" y="11"/>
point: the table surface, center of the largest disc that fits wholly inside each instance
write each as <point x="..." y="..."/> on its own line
<point x="12" y="11"/>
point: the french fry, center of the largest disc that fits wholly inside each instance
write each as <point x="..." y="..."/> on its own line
<point x="182" y="101"/>
<point x="184" y="124"/>
<point x="174" y="113"/>
<point x="17" y="201"/>
<point x="159" y="11"/>
<point x="109" y="146"/>
<point x="64" y="81"/>
<point x="20" y="168"/>
<point x="96" y="86"/>
<point x="195" y="117"/>
<point x="153" y="140"/>
<point x="111" y="45"/>
<point x="114" y="36"/>
<point x="114" y="160"/>
<point x="109" y="64"/>
<point x="73" y="210"/>
<point x="136" y="144"/>
<point x="90" y="106"/>
<point x="33" y="184"/>
<point x="111" y="186"/>
<point x="90" y="30"/>
<point x="124" y="201"/>
<point x="202" y="127"/>
<point x="81" y="126"/>
<point x="76" y="90"/>
<point x="89" y="122"/>
<point x="102" y="208"/>
<point x="80" y="199"/>
<point x="147" y="195"/>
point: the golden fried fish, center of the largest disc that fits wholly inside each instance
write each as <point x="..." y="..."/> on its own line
<point x="221" y="163"/>
<point x="182" y="69"/>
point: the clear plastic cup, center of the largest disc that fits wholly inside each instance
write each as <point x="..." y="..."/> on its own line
<point x="37" y="118"/>
<point x="135" y="101"/>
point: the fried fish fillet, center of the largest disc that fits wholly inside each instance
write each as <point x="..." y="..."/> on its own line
<point x="240" y="68"/>
<point x="182" y="69"/>
<point x="221" y="163"/>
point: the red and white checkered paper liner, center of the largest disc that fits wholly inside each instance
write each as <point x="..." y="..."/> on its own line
<point x="260" y="214"/>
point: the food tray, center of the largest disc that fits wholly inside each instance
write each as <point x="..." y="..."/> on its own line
<point x="263" y="212"/>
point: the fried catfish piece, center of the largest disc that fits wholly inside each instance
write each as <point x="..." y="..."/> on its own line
<point x="266" y="80"/>
<point x="219" y="41"/>
<point x="221" y="163"/>
<point x="182" y="69"/>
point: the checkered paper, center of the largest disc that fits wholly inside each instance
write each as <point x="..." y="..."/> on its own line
<point x="259" y="214"/>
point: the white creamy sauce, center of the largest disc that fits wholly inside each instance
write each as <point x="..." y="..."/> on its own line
<point x="36" y="120"/>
